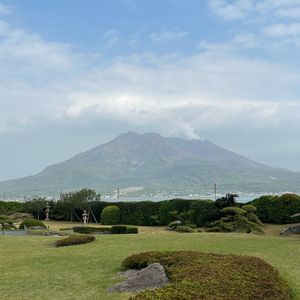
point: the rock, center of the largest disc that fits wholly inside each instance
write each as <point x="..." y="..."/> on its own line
<point x="152" y="277"/>
<point x="291" y="230"/>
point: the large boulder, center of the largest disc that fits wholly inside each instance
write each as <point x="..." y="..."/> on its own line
<point x="152" y="277"/>
<point x="291" y="230"/>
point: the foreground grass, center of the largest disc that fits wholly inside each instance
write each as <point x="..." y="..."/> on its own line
<point x="32" y="269"/>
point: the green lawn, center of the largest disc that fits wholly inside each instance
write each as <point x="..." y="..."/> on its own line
<point x="31" y="268"/>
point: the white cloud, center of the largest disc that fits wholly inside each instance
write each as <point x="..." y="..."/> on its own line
<point x="168" y="35"/>
<point x="111" y="37"/>
<point x="282" y="30"/>
<point x="5" y="9"/>
<point x="234" y="10"/>
<point x="254" y="10"/>
<point x="181" y="94"/>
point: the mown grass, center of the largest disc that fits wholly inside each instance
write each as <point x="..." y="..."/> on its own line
<point x="31" y="268"/>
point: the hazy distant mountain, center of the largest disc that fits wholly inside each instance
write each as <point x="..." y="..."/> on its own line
<point x="157" y="164"/>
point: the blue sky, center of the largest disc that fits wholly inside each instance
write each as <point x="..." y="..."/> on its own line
<point x="76" y="73"/>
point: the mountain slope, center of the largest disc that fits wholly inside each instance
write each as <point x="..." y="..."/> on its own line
<point x="157" y="164"/>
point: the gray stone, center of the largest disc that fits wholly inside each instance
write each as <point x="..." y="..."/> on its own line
<point x="291" y="230"/>
<point x="152" y="277"/>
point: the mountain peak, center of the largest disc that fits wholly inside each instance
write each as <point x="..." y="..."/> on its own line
<point x="158" y="164"/>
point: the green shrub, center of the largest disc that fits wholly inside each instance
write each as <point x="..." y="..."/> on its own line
<point x="89" y="230"/>
<point x="173" y="225"/>
<point x="194" y="226"/>
<point x="204" y="212"/>
<point x="111" y="215"/>
<point x="11" y="206"/>
<point x="195" y="276"/>
<point x="277" y="210"/>
<point x="131" y="229"/>
<point x="32" y="223"/>
<point x="75" y="240"/>
<point x="237" y="219"/>
<point x="119" y="229"/>
<point x="6" y="224"/>
<point x="214" y="229"/>
<point x="184" y="229"/>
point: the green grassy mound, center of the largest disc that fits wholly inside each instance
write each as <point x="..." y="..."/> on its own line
<point x="75" y="240"/>
<point x="196" y="275"/>
<point x="31" y="223"/>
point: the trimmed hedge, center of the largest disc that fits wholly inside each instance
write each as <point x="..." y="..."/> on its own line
<point x="132" y="230"/>
<point x="195" y="276"/>
<point x="89" y="230"/>
<point x="11" y="206"/>
<point x="116" y="229"/>
<point x="31" y="223"/>
<point x="119" y="229"/>
<point x="184" y="229"/>
<point x="111" y="215"/>
<point x="278" y="210"/>
<point x="75" y="240"/>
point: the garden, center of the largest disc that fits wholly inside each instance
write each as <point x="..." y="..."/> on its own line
<point x="209" y="250"/>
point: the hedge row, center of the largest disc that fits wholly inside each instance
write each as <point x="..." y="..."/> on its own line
<point x="148" y="213"/>
<point x="278" y="210"/>
<point x="115" y="229"/>
<point x="11" y="206"/>
<point x="270" y="209"/>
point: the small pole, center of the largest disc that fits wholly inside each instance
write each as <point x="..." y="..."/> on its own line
<point x="215" y="190"/>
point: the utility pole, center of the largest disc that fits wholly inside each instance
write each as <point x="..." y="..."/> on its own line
<point x="215" y="190"/>
<point x="118" y="193"/>
<point x="4" y="196"/>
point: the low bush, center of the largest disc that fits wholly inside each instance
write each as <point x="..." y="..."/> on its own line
<point x="195" y="276"/>
<point x="132" y="230"/>
<point x="111" y="215"/>
<point x="32" y="223"/>
<point x="184" y="229"/>
<point x="75" y="240"/>
<point x="119" y="229"/>
<point x="89" y="230"/>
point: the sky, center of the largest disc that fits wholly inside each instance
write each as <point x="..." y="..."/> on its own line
<point x="75" y="73"/>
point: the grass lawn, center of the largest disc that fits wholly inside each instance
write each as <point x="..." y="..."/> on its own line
<point x="32" y="269"/>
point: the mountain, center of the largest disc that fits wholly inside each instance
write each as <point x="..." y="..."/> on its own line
<point x="157" y="164"/>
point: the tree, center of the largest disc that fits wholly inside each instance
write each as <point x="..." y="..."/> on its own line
<point x="227" y="200"/>
<point x="237" y="219"/>
<point x="81" y="199"/>
<point x="35" y="206"/>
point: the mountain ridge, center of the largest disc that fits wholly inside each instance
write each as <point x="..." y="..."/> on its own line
<point x="159" y="164"/>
